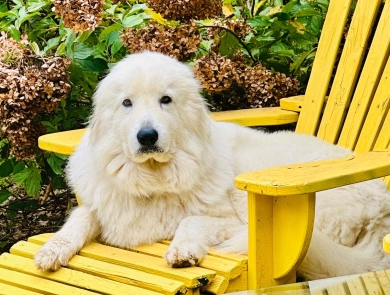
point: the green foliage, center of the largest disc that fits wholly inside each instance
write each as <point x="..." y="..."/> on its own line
<point x="284" y="38"/>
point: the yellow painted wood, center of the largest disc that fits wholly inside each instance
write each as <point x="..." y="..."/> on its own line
<point x="316" y="176"/>
<point x="348" y="69"/>
<point x="217" y="286"/>
<point x="109" y="271"/>
<point x="37" y="284"/>
<point x="238" y="284"/>
<point x="372" y="284"/>
<point x="6" y="289"/>
<point x="357" y="287"/>
<point x="368" y="82"/>
<point x="67" y="141"/>
<point x="191" y="276"/>
<point x="72" y="277"/>
<point x="384" y="281"/>
<point x="293" y="103"/>
<point x="292" y="229"/>
<point x="228" y="268"/>
<point x="319" y="292"/>
<point x="260" y="243"/>
<point x="377" y="113"/>
<point x="224" y="267"/>
<point x="260" y="248"/>
<point x="62" y="142"/>
<point x="383" y="141"/>
<point x="386" y="243"/>
<point x="328" y="46"/>
<point x="339" y="289"/>
<point x="241" y="259"/>
<point x="257" y="117"/>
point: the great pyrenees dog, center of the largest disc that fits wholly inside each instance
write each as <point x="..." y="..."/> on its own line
<point x="153" y="165"/>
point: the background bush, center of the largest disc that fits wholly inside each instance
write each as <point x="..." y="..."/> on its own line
<point x="53" y="54"/>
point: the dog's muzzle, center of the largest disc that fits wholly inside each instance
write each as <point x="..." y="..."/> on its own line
<point x="147" y="138"/>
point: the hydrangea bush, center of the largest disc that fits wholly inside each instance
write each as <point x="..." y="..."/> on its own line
<point x="53" y="54"/>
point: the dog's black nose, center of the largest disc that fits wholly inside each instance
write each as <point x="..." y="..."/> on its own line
<point x="147" y="136"/>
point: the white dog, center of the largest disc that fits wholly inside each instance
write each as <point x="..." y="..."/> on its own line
<point x="153" y="166"/>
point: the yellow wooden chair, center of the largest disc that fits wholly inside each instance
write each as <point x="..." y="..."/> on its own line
<point x="351" y="110"/>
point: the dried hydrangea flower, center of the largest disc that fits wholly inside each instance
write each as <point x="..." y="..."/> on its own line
<point x="180" y="41"/>
<point x="29" y="86"/>
<point x="185" y="10"/>
<point x="234" y="85"/>
<point x="80" y="15"/>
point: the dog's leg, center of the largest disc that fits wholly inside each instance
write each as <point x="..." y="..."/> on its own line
<point x="79" y="229"/>
<point x="195" y="235"/>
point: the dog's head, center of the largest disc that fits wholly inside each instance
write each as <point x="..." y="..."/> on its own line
<point x="150" y="105"/>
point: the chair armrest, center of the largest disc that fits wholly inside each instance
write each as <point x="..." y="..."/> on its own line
<point x="65" y="142"/>
<point x="304" y="178"/>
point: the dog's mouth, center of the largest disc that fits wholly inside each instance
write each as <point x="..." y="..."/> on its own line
<point x="149" y="150"/>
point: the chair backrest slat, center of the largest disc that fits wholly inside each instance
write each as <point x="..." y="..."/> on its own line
<point x="383" y="141"/>
<point x="328" y="47"/>
<point x="348" y="69"/>
<point x="368" y="82"/>
<point x="377" y="114"/>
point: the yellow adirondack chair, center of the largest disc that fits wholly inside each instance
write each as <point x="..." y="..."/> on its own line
<point x="354" y="114"/>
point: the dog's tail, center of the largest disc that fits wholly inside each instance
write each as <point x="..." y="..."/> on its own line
<point x="325" y="258"/>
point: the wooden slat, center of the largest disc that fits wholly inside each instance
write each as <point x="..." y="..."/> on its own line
<point x="312" y="177"/>
<point x="384" y="281"/>
<point x="217" y="286"/>
<point x="225" y="267"/>
<point x="356" y="287"/>
<point x="241" y="259"/>
<point x="238" y="284"/>
<point x="109" y="271"/>
<point x="372" y="284"/>
<point x="293" y="103"/>
<point x="37" y="284"/>
<point x="383" y="141"/>
<point x="348" y="69"/>
<point x="339" y="289"/>
<point x="257" y="117"/>
<point x="328" y="46"/>
<point x="72" y="277"/>
<point x="368" y="81"/>
<point x="61" y="142"/>
<point x="377" y="114"/>
<point x="6" y="289"/>
<point x="192" y="277"/>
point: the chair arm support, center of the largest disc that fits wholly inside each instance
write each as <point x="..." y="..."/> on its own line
<point x="304" y="178"/>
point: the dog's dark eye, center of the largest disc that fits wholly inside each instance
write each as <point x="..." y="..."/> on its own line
<point x="165" y="99"/>
<point x="127" y="102"/>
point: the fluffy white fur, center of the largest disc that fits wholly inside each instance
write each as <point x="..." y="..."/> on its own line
<point x="185" y="191"/>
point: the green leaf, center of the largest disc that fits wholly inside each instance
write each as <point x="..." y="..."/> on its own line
<point x="6" y="168"/>
<point x="110" y="29"/>
<point x="56" y="163"/>
<point x="82" y="51"/>
<point x="116" y="46"/>
<point x="135" y="20"/>
<point x="4" y="195"/>
<point x="30" y="178"/>
<point x="51" y="43"/>
<point x="259" y="22"/>
<point x="19" y="167"/>
<point x="289" y="6"/>
<point x="307" y="12"/>
<point x="229" y="44"/>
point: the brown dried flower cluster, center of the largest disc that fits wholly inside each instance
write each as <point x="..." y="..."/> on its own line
<point x="180" y="41"/>
<point x="238" y="26"/>
<point x="29" y="84"/>
<point x="234" y="85"/>
<point x="185" y="10"/>
<point x="80" y="15"/>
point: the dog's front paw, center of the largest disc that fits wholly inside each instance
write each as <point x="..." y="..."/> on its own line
<point x="183" y="256"/>
<point x="56" y="252"/>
